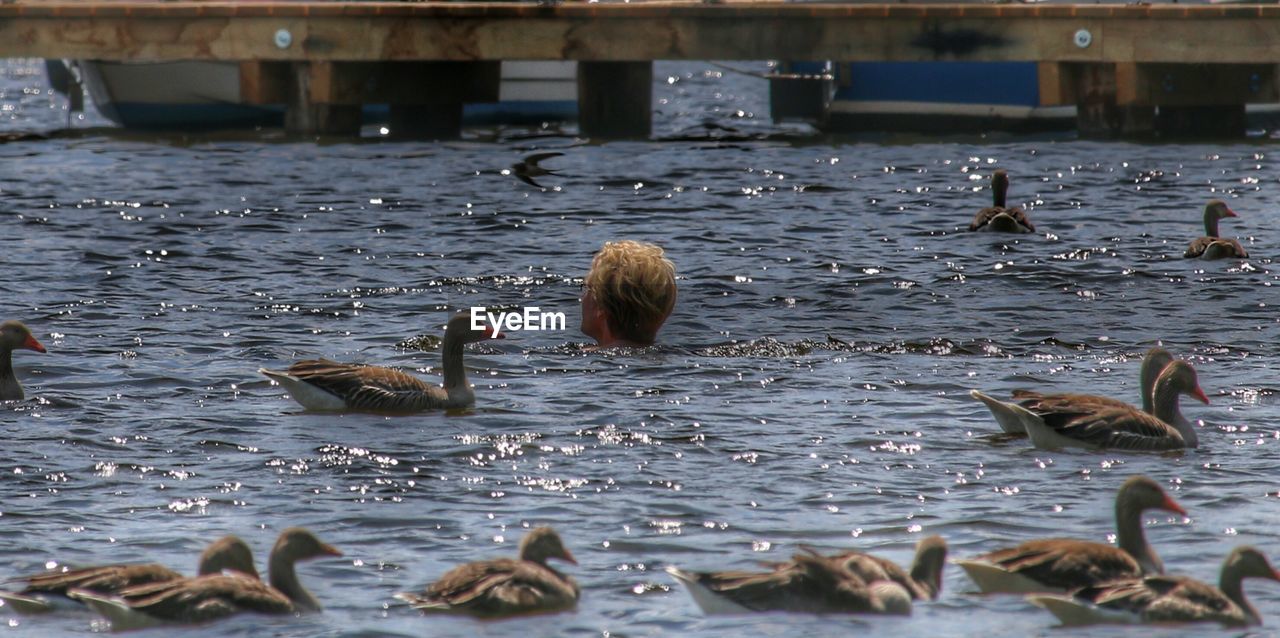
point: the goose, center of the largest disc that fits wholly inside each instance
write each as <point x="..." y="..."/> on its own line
<point x="808" y="583"/>
<point x="227" y="553"/>
<point x="1211" y="246"/>
<point x="13" y="336"/>
<point x="1154" y="362"/>
<point x="215" y="596"/>
<point x="922" y="582"/>
<point x="1094" y="426"/>
<point x="322" y="385"/>
<point x="1062" y="564"/>
<point x="998" y="217"/>
<point x="1168" y="599"/>
<point x="505" y="587"/>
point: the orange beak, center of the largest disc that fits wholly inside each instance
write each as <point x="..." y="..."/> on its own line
<point x="32" y="344"/>
<point x="330" y="550"/>
<point x="1172" y="506"/>
<point x="1200" y="395"/>
<point x="1231" y="213"/>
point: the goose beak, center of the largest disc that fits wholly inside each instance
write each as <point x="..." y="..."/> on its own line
<point x="490" y="333"/>
<point x="1172" y="506"/>
<point x="1231" y="213"/>
<point x="568" y="557"/>
<point x="32" y="344"/>
<point x="330" y="550"/>
<point x="1200" y="396"/>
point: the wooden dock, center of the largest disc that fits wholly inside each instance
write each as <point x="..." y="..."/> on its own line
<point x="323" y="59"/>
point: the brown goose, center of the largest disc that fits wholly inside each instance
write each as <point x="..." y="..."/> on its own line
<point x="1168" y="599"/>
<point x="13" y="336"/>
<point x="808" y="583"/>
<point x="207" y="598"/>
<point x="1062" y="564"/>
<point x="1211" y="246"/>
<point x="923" y="582"/>
<point x="1055" y="425"/>
<point x="228" y="552"/>
<point x="997" y="217"/>
<point x="328" y="386"/>
<point x="505" y="587"/>
<point x="1155" y="361"/>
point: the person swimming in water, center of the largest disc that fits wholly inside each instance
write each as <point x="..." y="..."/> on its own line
<point x="628" y="294"/>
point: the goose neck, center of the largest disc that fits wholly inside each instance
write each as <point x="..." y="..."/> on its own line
<point x="455" y="372"/>
<point x="285" y="579"/>
<point x="1166" y="409"/>
<point x="1231" y="583"/>
<point x="1133" y="540"/>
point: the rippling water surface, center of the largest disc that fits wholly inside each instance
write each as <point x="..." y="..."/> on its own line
<point x="811" y="386"/>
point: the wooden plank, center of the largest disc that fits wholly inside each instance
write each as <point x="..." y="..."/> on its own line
<point x="303" y="116"/>
<point x="1207" y="84"/>
<point x="1128" y="83"/>
<point x="407" y="83"/>
<point x="1057" y="87"/>
<point x="615" y="99"/>
<point x="264" y="82"/>
<point x="468" y="31"/>
<point x="337" y="82"/>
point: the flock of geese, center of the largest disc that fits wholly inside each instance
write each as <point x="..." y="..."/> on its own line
<point x="1013" y="219"/>
<point x="1080" y="582"/>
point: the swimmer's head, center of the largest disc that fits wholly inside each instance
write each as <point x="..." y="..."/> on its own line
<point x="628" y="294"/>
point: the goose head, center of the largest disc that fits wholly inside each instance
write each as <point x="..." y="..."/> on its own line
<point x="1215" y="210"/>
<point x="297" y="544"/>
<point x="1248" y="562"/>
<point x="16" y="336"/>
<point x="931" y="558"/>
<point x="1140" y="493"/>
<point x="460" y="330"/>
<point x="228" y="553"/>
<point x="543" y="543"/>
<point x="1180" y="378"/>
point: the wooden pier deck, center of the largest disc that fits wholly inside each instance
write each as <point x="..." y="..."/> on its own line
<point x="314" y="54"/>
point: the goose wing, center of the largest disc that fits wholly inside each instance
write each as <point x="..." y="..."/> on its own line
<point x="500" y="587"/>
<point x="1123" y="428"/>
<point x="1039" y="402"/>
<point x="1066" y="564"/>
<point x="205" y="598"/>
<point x="370" y="388"/>
<point x="101" y="579"/>
<point x="984" y="217"/>
<point x="1215" y="248"/>
<point x="871" y="568"/>
<point x="1165" y="599"/>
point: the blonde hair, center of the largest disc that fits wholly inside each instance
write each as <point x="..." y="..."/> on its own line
<point x="635" y="284"/>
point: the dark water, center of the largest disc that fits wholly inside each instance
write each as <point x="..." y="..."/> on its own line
<point x="812" y="386"/>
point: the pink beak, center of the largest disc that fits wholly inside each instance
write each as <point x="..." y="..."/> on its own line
<point x="1199" y="394"/>
<point x="32" y="344"/>
<point x="1231" y="213"/>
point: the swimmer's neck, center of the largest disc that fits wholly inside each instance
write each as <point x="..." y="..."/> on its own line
<point x="618" y="343"/>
